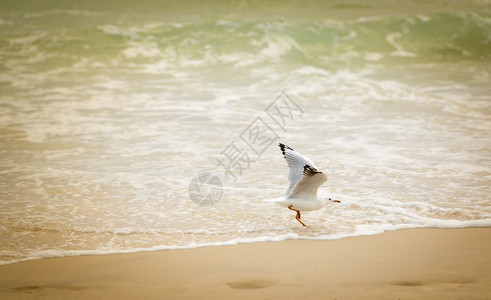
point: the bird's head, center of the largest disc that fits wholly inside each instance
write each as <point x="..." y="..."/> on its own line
<point x="335" y="200"/>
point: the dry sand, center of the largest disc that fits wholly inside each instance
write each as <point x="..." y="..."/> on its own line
<point x="406" y="264"/>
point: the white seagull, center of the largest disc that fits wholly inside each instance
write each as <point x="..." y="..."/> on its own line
<point x="305" y="180"/>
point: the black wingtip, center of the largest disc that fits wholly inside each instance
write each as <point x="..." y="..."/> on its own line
<point x="283" y="146"/>
<point x="309" y="169"/>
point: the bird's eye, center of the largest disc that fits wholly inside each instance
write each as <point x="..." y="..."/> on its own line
<point x="330" y="199"/>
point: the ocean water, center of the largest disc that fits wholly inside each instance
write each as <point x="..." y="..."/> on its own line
<point x="108" y="111"/>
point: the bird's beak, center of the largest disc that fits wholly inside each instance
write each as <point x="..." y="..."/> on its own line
<point x="337" y="201"/>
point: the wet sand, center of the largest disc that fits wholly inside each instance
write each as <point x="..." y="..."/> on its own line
<point x="406" y="264"/>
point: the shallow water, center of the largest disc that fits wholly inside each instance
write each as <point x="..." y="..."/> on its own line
<point x="108" y="112"/>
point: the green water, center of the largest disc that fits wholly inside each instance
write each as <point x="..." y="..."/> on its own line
<point x="214" y="38"/>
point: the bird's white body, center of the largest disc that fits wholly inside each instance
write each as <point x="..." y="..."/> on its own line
<point x="303" y="204"/>
<point x="305" y="180"/>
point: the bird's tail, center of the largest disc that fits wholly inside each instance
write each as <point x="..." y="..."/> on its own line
<point x="275" y="200"/>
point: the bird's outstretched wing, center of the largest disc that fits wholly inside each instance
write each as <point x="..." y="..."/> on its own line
<point x="296" y="163"/>
<point x="309" y="184"/>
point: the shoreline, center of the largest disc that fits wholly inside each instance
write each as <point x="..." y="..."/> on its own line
<point x="406" y="264"/>
<point x="474" y="224"/>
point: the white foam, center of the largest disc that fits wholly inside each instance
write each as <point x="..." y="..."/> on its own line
<point x="423" y="18"/>
<point x="370" y="56"/>
<point x="360" y="230"/>
<point x="116" y="30"/>
<point x="137" y="49"/>
<point x="69" y="12"/>
<point x="391" y="39"/>
<point x="278" y="45"/>
<point x="29" y="39"/>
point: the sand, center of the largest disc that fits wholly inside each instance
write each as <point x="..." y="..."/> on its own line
<point x="405" y="264"/>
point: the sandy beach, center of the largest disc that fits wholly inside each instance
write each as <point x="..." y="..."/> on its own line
<point x="406" y="264"/>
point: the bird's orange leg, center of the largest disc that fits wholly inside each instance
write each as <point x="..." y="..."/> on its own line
<point x="297" y="216"/>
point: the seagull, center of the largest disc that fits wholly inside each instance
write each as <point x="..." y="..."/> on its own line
<point x="305" y="180"/>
